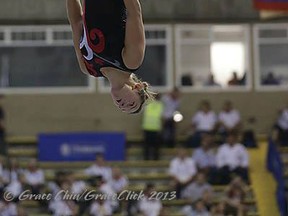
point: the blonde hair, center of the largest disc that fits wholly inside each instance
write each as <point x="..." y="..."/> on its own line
<point x="146" y="94"/>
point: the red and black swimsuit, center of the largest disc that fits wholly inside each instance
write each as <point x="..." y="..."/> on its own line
<point x="103" y="36"/>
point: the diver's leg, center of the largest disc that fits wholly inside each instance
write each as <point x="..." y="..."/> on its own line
<point x="134" y="44"/>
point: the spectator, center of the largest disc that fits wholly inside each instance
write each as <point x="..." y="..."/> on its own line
<point x="281" y="127"/>
<point x="270" y="79"/>
<point x="3" y="146"/>
<point x="152" y="127"/>
<point x="232" y="158"/>
<point x="199" y="209"/>
<point x="55" y="186"/>
<point x="108" y="191"/>
<point x="196" y="189"/>
<point x="34" y="176"/>
<point x="205" y="156"/>
<point x="229" y="119"/>
<point x="149" y="207"/>
<point x="63" y="207"/>
<point x="16" y="187"/>
<point x="234" y="198"/>
<point x="11" y="172"/>
<point x="204" y="121"/>
<point x="187" y="80"/>
<point x="211" y="82"/>
<point x="8" y="208"/>
<point x="234" y="80"/>
<point x="118" y="181"/>
<point x="99" y="168"/>
<point x="171" y="104"/>
<point x="76" y="186"/>
<point x="100" y="207"/>
<point x="182" y="171"/>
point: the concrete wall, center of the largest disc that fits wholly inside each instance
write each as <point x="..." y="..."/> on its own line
<point x="54" y="10"/>
<point x="30" y="114"/>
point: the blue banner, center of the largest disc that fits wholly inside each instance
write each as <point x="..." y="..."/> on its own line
<point x="81" y="146"/>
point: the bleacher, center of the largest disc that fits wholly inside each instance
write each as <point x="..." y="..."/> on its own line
<point x="138" y="171"/>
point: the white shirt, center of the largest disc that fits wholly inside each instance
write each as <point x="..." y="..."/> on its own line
<point x="78" y="187"/>
<point x="15" y="187"/>
<point x="204" y="121"/>
<point x="119" y="184"/>
<point x="96" y="170"/>
<point x="229" y="119"/>
<point x="232" y="156"/>
<point x="101" y="210"/>
<point x="283" y="120"/>
<point x="170" y="106"/>
<point x="183" y="170"/>
<point x="9" y="176"/>
<point x="150" y="207"/>
<point x="61" y="208"/>
<point x="9" y="209"/>
<point x="34" y="178"/>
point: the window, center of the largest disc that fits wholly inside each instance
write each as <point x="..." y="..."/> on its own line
<point x="271" y="54"/>
<point x="40" y="59"/>
<point x="212" y="57"/>
<point x="157" y="65"/>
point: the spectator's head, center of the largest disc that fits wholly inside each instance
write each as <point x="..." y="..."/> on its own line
<point x="13" y="164"/>
<point x="175" y="93"/>
<point x="21" y="178"/>
<point x="206" y="141"/>
<point x="70" y="176"/>
<point x="60" y="176"/>
<point x="182" y="153"/>
<point x="200" y="178"/>
<point x="116" y="173"/>
<point x="100" y="160"/>
<point x="205" y="106"/>
<point x="232" y="138"/>
<point x="237" y="181"/>
<point x="199" y="206"/>
<point x="32" y="165"/>
<point x="149" y="188"/>
<point x="228" y="106"/>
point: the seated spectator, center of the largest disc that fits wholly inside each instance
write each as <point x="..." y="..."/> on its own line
<point x="34" y="176"/>
<point x="234" y="80"/>
<point x="232" y="158"/>
<point x="204" y="121"/>
<point x="149" y="207"/>
<point x="63" y="207"/>
<point x="270" y="79"/>
<point x="8" y="208"/>
<point x="199" y="209"/>
<point x="235" y="196"/>
<point x="281" y="127"/>
<point x="182" y="171"/>
<point x="119" y="181"/>
<point x="100" y="208"/>
<point x="99" y="168"/>
<point x="211" y="81"/>
<point x="187" y="80"/>
<point x="197" y="188"/>
<point x="76" y="186"/>
<point x="16" y="187"/>
<point x="105" y="188"/>
<point x="55" y="186"/>
<point x="205" y="156"/>
<point x="11" y="172"/>
<point x="229" y="119"/>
